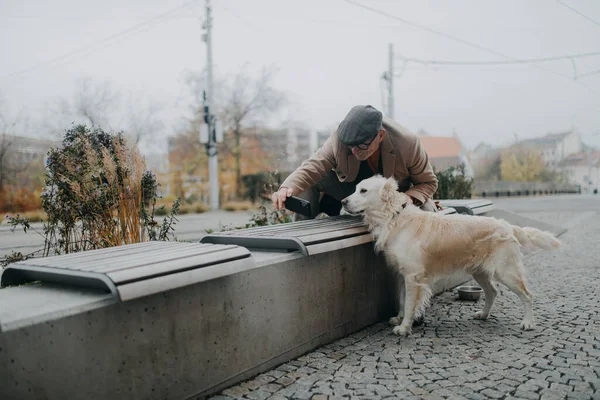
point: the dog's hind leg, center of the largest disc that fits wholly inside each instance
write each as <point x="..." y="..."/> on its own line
<point x="415" y="292"/>
<point x="513" y="277"/>
<point x="483" y="279"/>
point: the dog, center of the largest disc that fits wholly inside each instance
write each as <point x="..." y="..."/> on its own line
<point x="424" y="246"/>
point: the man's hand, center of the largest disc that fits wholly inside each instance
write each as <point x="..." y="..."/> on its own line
<point x="281" y="196"/>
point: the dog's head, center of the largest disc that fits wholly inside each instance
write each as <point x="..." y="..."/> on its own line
<point x="376" y="194"/>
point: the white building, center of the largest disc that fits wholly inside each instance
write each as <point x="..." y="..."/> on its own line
<point x="583" y="169"/>
<point x="555" y="147"/>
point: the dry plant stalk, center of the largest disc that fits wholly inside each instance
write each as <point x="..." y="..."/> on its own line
<point x="112" y="190"/>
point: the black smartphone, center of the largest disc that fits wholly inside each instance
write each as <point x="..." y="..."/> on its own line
<point x="298" y="205"/>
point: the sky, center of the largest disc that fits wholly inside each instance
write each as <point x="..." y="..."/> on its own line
<point x="329" y="56"/>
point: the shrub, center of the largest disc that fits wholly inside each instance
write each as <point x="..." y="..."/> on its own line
<point x="200" y="208"/>
<point x="453" y="184"/>
<point x="237" y="206"/>
<point x="98" y="194"/>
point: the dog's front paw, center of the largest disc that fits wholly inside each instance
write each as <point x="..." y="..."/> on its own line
<point x="396" y="321"/>
<point x="528" y="324"/>
<point x="480" y="315"/>
<point x="401" y="330"/>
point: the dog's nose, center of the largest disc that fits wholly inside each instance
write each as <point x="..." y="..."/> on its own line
<point x="344" y="201"/>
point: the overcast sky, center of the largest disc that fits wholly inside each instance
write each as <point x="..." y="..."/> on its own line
<point x="330" y="56"/>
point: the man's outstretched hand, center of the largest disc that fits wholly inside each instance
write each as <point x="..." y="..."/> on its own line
<point x="281" y="196"/>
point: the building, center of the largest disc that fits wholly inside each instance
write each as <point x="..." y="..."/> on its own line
<point x="583" y="169"/>
<point x="445" y="152"/>
<point x="22" y="150"/>
<point x="299" y="146"/>
<point x="289" y="146"/>
<point x="320" y="138"/>
<point x="555" y="147"/>
<point x="482" y="156"/>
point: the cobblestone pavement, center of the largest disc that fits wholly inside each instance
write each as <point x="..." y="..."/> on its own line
<point x="453" y="356"/>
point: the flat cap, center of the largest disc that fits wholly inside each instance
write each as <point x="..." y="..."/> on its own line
<point x="360" y="125"/>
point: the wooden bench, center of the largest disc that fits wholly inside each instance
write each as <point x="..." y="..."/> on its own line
<point x="469" y="206"/>
<point x="307" y="237"/>
<point x="133" y="271"/>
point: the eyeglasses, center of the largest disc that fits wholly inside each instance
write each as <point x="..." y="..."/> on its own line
<point x="364" y="146"/>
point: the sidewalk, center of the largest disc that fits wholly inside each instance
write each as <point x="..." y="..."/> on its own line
<point x="456" y="357"/>
<point x="190" y="227"/>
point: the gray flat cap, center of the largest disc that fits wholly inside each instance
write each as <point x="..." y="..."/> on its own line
<point x="360" y="125"/>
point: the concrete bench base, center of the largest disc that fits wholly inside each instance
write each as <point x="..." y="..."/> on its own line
<point x="193" y="340"/>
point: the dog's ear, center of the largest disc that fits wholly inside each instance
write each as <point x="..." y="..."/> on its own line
<point x="388" y="190"/>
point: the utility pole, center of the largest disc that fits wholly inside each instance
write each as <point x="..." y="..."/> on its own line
<point x="589" y="169"/>
<point x="390" y="76"/>
<point x="209" y="117"/>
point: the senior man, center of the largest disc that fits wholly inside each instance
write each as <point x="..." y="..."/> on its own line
<point x="365" y="144"/>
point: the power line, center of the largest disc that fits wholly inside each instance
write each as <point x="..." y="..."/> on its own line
<point x="444" y="67"/>
<point x="578" y="12"/>
<point x="454" y="38"/>
<point x="589" y="73"/>
<point x="104" y="41"/>
<point x="515" y="61"/>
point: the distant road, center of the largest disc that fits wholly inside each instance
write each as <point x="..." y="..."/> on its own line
<point x="189" y="227"/>
<point x="193" y="226"/>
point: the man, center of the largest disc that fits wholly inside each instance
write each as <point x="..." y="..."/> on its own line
<point x="364" y="144"/>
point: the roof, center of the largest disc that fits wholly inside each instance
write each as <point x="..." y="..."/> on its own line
<point x="439" y="146"/>
<point x="549" y="140"/>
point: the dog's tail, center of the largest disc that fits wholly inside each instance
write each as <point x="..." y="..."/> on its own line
<point x="532" y="238"/>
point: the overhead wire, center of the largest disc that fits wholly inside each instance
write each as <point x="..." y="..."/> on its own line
<point x="102" y="42"/>
<point x="578" y="12"/>
<point x="456" y="39"/>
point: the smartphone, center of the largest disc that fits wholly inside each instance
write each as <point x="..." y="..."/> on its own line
<point x="298" y="205"/>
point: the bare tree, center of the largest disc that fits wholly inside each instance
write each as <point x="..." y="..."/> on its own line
<point x="93" y="103"/>
<point x="245" y="101"/>
<point x="8" y="127"/>
<point x="144" y="122"/>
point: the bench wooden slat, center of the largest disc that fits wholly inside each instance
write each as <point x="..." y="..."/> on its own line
<point x="172" y="265"/>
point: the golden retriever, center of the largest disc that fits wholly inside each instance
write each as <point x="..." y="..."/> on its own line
<point x="425" y="246"/>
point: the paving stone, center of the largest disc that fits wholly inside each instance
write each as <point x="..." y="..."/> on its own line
<point x="303" y="395"/>
<point x="578" y="396"/>
<point x="271" y="387"/>
<point x="277" y="396"/>
<point x="285" y="380"/>
<point x="236" y="391"/>
<point x="259" y="394"/>
<point x="493" y="394"/>
<point x="561" y="388"/>
<point x="526" y="394"/>
<point x="549" y="394"/>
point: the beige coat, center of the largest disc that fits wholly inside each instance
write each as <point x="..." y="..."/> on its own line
<point x="402" y="157"/>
